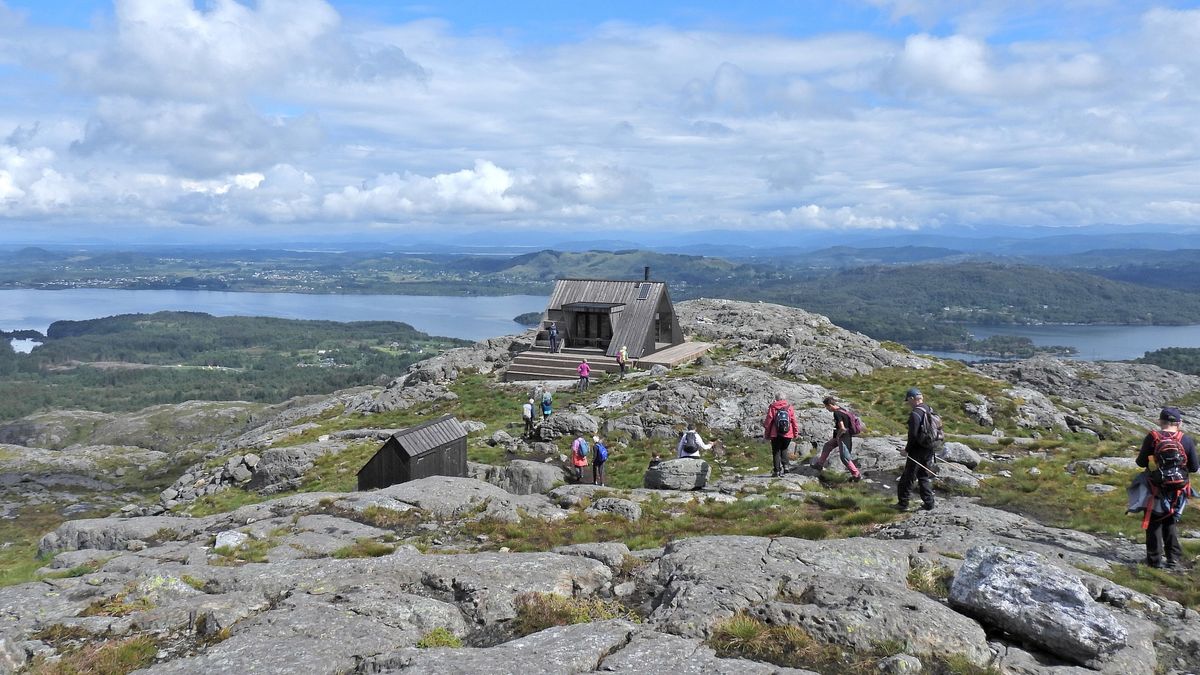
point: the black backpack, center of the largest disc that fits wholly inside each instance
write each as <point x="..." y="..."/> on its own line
<point x="689" y="443"/>
<point x="1170" y="461"/>
<point x="930" y="435"/>
<point x="783" y="422"/>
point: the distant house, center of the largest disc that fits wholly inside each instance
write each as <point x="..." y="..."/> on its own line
<point x="604" y="314"/>
<point x="434" y="448"/>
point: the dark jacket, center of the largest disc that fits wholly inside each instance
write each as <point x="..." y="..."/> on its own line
<point x="915" y="419"/>
<point x="842" y="417"/>
<point x="769" y="422"/>
<point x="1189" y="447"/>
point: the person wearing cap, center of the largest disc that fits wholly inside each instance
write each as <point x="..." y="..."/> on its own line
<point x="527" y="417"/>
<point x="1162" y="533"/>
<point x="600" y="456"/>
<point x="918" y="464"/>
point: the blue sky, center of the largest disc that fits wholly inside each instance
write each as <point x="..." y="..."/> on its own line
<point x="313" y="117"/>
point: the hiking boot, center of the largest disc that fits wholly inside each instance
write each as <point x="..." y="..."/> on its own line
<point x="856" y="479"/>
<point x="900" y="506"/>
<point x="1156" y="564"/>
<point x="927" y="507"/>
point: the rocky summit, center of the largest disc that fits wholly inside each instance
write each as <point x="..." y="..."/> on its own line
<point x="229" y="538"/>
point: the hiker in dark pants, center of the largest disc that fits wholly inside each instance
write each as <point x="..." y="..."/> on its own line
<point x="779" y="426"/>
<point x="1162" y="516"/>
<point x="585" y="372"/>
<point x="919" y="463"/>
<point x="527" y="417"/>
<point x="553" y="338"/>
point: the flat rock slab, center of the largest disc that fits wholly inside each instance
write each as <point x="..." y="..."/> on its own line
<point x="449" y="497"/>
<point x="1023" y="594"/>
<point x="678" y="474"/>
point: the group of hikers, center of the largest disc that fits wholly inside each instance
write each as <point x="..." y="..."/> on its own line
<point x="1161" y="493"/>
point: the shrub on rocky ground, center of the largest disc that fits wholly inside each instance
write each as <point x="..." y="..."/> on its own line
<point x="439" y="637"/>
<point x="111" y="657"/>
<point x="539" y="611"/>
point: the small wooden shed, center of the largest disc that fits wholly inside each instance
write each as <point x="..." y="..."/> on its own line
<point x="434" y="448"/>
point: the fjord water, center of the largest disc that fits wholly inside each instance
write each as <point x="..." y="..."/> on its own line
<point x="466" y="317"/>
<point x="1093" y="342"/>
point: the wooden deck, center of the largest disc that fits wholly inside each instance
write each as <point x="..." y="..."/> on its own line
<point x="673" y="356"/>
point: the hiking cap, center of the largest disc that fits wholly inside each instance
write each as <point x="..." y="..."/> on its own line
<point x="913" y="392"/>
<point x="1171" y="415"/>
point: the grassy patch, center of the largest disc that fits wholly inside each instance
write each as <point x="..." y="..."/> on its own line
<point x="439" y="637"/>
<point x="111" y="657"/>
<point x="19" y="560"/>
<point x="77" y="571"/>
<point x="539" y="611"/>
<point x="221" y="502"/>
<point x="1180" y="586"/>
<point x="253" y="551"/>
<point x="117" y="605"/>
<point x="843" y="513"/>
<point x="364" y="548"/>
<point x="931" y="579"/>
<point x="743" y="636"/>
<point x="194" y="582"/>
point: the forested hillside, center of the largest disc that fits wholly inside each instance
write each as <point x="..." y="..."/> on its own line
<point x="131" y="361"/>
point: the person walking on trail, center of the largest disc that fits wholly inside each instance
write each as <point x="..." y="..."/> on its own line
<point x="924" y="437"/>
<point x="779" y="426"/>
<point x="843" y="439"/>
<point x="600" y="450"/>
<point x="527" y="417"/>
<point x="690" y="443"/>
<point x="585" y="372"/>
<point x="1174" y="454"/>
<point x="546" y="406"/>
<point x="579" y="456"/>
<point x="553" y="337"/>
<point x="622" y="359"/>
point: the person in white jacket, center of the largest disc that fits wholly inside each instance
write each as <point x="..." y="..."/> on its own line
<point x="690" y="443"/>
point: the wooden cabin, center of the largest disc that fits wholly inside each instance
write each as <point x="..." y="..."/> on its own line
<point x="434" y="448"/>
<point x="604" y="314"/>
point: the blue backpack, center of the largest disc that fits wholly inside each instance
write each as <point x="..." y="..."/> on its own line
<point x="601" y="453"/>
<point x="584" y="449"/>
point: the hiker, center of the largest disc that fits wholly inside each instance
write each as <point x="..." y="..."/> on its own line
<point x="622" y="359"/>
<point x="546" y="406"/>
<point x="601" y="452"/>
<point x="553" y="338"/>
<point x="1174" y="456"/>
<point x="779" y="426"/>
<point x="654" y="461"/>
<point x="527" y="417"/>
<point x="585" y="372"/>
<point x="690" y="443"/>
<point x="579" y="456"/>
<point x="843" y="438"/>
<point x="924" y="432"/>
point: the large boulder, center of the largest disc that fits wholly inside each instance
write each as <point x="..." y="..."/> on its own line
<point x="1046" y="605"/>
<point x="685" y="473"/>
<point x="567" y="424"/>
<point x="959" y="453"/>
<point x="520" y="477"/>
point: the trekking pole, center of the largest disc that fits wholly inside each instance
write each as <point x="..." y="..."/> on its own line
<point x="910" y="458"/>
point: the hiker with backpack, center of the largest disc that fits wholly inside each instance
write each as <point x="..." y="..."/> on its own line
<point x="1175" y="458"/>
<point x="779" y="426"/>
<point x="925" y="438"/>
<point x="690" y="444"/>
<point x="579" y="456"/>
<point x="846" y="425"/>
<point x="622" y="359"/>
<point x="585" y="372"/>
<point x="553" y="337"/>
<point x="601" y="452"/>
<point x="547" y="406"/>
<point x="527" y="417"/>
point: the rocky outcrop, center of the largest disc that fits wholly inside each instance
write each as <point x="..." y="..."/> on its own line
<point x="684" y="473"/>
<point x="805" y="344"/>
<point x="1021" y="594"/>
<point x="1133" y="384"/>
<point x="520" y="477"/>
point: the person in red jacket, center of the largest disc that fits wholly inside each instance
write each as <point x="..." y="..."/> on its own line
<point x="780" y="427"/>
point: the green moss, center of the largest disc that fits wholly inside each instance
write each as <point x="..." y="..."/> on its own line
<point x="364" y="548"/>
<point x="439" y="637"/>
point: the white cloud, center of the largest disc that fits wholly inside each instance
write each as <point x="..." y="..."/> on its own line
<point x="484" y="188"/>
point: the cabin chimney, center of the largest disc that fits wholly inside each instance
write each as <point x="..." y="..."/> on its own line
<point x="647" y="273"/>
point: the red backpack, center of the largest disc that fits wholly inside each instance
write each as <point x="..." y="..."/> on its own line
<point x="1170" y="461"/>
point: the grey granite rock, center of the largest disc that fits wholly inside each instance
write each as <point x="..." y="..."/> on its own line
<point x="678" y="474"/>
<point x="1024" y="595"/>
<point x="620" y="507"/>
<point x="520" y="477"/>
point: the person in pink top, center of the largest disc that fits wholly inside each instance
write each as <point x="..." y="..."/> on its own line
<point x="585" y="372"/>
<point x="579" y="456"/>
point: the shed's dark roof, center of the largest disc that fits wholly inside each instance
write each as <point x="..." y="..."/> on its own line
<point x="429" y="435"/>
<point x="639" y="301"/>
